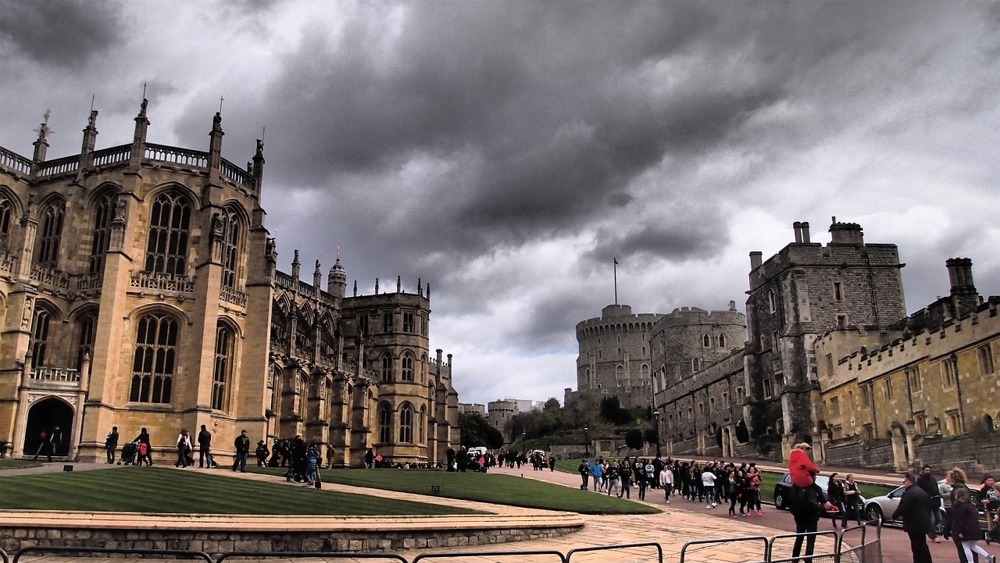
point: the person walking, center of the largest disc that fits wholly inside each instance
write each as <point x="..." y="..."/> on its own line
<point x="928" y="483"/>
<point x="111" y="444"/>
<point x="957" y="479"/>
<point x="914" y="510"/>
<point x="183" y="448"/>
<point x="584" y="471"/>
<point x="145" y="449"/>
<point x="708" y="484"/>
<point x="966" y="526"/>
<point x="205" y="448"/>
<point x="852" y="498"/>
<point x="242" y="444"/>
<point x="667" y="481"/>
<point x="836" y="495"/>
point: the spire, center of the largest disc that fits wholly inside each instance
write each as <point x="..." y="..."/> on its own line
<point x="399" y="284"/>
<point x="215" y="143"/>
<point x="317" y="277"/>
<point x="296" y="267"/>
<point x="258" y="163"/>
<point x="89" y="139"/>
<point x="139" y="138"/>
<point x="42" y="142"/>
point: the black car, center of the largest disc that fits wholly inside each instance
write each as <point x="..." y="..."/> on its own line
<point x="783" y="490"/>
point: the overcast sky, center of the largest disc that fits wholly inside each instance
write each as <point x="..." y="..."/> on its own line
<point x="507" y="152"/>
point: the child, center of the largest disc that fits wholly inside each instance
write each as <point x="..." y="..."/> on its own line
<point x="965" y="525"/>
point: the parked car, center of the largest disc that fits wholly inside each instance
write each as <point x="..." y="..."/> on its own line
<point x="883" y="506"/>
<point x="783" y="490"/>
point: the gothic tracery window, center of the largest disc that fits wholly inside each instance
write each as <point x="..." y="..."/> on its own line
<point x="155" y="358"/>
<point x="406" y="424"/>
<point x="169" y="224"/>
<point x="47" y="253"/>
<point x="103" y="213"/>
<point x="387" y="367"/>
<point x="231" y="242"/>
<point x="408" y="371"/>
<point x="223" y="366"/>
<point x="40" y="336"/>
<point x="6" y="220"/>
<point x="384" y="423"/>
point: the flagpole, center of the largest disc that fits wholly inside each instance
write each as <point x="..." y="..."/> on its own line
<point x="616" y="280"/>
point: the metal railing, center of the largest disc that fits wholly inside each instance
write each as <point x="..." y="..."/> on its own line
<point x="480" y="554"/>
<point x="310" y="554"/>
<point x="868" y="550"/>
<point x="659" y="549"/>
<point x="723" y="542"/>
<point x="158" y="553"/>
<point x="804" y="541"/>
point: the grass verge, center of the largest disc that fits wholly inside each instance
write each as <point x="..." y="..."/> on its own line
<point x="11" y="463"/>
<point x="164" y="490"/>
<point x="492" y="488"/>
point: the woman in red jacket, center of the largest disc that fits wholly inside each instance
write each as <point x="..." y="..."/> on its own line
<point x="802" y="468"/>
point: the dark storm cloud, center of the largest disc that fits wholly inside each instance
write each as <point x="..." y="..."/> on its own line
<point x="546" y="128"/>
<point x="62" y="33"/>
<point x="674" y="237"/>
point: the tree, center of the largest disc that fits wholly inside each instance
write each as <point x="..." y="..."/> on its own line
<point x="476" y="431"/>
<point x="633" y="439"/>
<point x="612" y="411"/>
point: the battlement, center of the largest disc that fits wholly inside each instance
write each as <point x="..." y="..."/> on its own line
<point x="619" y="318"/>
<point x="909" y="347"/>
<point x="138" y="154"/>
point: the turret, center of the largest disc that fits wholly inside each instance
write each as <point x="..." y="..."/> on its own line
<point x="336" y="280"/>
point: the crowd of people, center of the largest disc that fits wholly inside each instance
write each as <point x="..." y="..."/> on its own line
<point x="712" y="482"/>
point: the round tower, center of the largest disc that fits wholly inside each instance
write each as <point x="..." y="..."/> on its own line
<point x="336" y="280"/>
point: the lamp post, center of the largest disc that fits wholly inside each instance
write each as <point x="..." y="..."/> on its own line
<point x="656" y="431"/>
<point x="586" y="440"/>
<point x="524" y="440"/>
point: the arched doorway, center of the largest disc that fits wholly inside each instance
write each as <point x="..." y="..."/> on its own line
<point x="48" y="415"/>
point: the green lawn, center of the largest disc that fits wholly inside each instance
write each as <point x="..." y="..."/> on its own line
<point x="11" y="463"/>
<point x="492" y="488"/>
<point x="164" y="490"/>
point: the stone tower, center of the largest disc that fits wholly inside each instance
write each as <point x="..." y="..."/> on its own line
<point x="795" y="296"/>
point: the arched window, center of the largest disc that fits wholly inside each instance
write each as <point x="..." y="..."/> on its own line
<point x="169" y="222"/>
<point x="224" y="340"/>
<point x="722" y="341"/>
<point x="47" y="252"/>
<point x="406" y="424"/>
<point x="387" y="367"/>
<point x="155" y="359"/>
<point x="6" y="220"/>
<point x="705" y="341"/>
<point x="40" y="336"/>
<point x="407" y="366"/>
<point x="422" y="426"/>
<point x="87" y="331"/>
<point x="103" y="213"/>
<point x="231" y="242"/>
<point x="384" y="424"/>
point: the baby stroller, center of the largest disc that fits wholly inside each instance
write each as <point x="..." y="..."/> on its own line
<point x="129" y="452"/>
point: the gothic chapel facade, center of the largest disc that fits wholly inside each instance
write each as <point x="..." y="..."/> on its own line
<point x="138" y="288"/>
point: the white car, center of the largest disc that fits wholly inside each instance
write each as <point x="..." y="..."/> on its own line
<point x="883" y="506"/>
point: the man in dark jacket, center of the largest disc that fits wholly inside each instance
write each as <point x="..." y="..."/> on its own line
<point x="915" y="511"/>
<point x="928" y="483"/>
<point x="205" y="448"/>
<point x="242" y="444"/>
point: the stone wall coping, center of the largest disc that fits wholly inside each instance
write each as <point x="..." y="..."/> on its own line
<point x="284" y="523"/>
